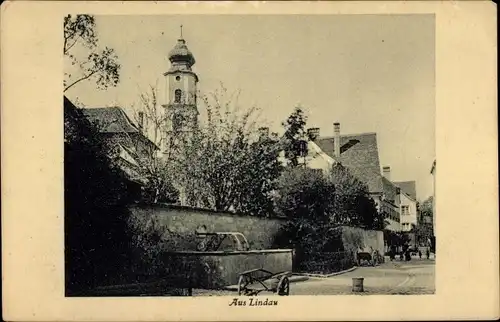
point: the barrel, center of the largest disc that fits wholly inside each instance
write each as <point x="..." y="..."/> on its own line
<point x="357" y="284"/>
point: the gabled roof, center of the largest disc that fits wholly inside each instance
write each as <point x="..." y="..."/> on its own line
<point x="359" y="153"/>
<point x="316" y="150"/>
<point x="114" y="120"/>
<point x="110" y="120"/>
<point x="408" y="187"/>
<point x="390" y="190"/>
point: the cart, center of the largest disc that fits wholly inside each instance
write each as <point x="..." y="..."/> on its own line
<point x="258" y="280"/>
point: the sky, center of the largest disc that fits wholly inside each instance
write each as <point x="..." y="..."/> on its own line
<point x="371" y="73"/>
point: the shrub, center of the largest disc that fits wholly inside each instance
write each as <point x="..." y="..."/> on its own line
<point x="304" y="198"/>
<point x="352" y="204"/>
<point x="151" y="241"/>
<point x="327" y="262"/>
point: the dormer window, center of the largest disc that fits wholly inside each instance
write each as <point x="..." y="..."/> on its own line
<point x="178" y="94"/>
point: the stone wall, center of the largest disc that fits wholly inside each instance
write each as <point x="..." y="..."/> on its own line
<point x="186" y="220"/>
<point x="259" y="231"/>
<point x="216" y="270"/>
<point x="354" y="237"/>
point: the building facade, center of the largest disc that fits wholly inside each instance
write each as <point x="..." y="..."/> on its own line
<point x="390" y="204"/>
<point x="408" y="210"/>
<point x="133" y="151"/>
<point x="408" y="204"/>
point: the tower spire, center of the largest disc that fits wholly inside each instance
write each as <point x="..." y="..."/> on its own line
<point x="181" y="112"/>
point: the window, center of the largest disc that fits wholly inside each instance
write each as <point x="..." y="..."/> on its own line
<point x="405" y="210"/>
<point x="177" y="78"/>
<point x="178" y="94"/>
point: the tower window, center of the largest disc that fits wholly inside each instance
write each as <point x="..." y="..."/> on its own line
<point x="177" y="78"/>
<point x="178" y="94"/>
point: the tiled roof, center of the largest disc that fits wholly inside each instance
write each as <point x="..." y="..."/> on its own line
<point x="315" y="150"/>
<point x="408" y="187"/>
<point x="390" y="190"/>
<point x="110" y="120"/>
<point x="113" y="120"/>
<point x="359" y="153"/>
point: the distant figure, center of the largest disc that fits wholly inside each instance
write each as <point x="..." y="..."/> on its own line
<point x="428" y="253"/>
<point x="420" y="254"/>
<point x="373" y="256"/>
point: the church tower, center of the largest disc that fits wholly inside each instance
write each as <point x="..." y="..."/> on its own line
<point x="180" y="106"/>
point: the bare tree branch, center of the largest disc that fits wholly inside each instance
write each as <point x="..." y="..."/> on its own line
<point x="79" y="80"/>
<point x="67" y="49"/>
<point x="104" y="65"/>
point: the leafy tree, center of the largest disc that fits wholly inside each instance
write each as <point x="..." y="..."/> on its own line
<point x="83" y="59"/>
<point x="317" y="205"/>
<point x="425" y="214"/>
<point x="426" y="208"/>
<point x="304" y="197"/>
<point x="222" y="165"/>
<point x="259" y="181"/>
<point x="295" y="136"/>
<point x="352" y="204"/>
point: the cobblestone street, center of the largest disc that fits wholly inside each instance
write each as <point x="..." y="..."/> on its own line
<point x="414" y="277"/>
<point x="404" y="278"/>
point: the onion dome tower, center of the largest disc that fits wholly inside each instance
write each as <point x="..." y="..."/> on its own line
<point x="181" y="110"/>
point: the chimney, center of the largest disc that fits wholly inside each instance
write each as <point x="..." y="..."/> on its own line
<point x="264" y="132"/>
<point x="141" y="120"/>
<point x="313" y="133"/>
<point x="387" y="172"/>
<point x="336" y="139"/>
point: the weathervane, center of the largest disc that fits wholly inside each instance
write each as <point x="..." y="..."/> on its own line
<point x="181" y="31"/>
